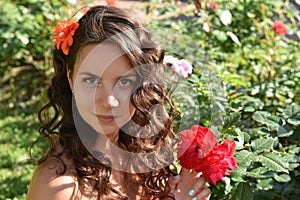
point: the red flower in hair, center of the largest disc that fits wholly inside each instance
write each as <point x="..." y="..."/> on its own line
<point x="279" y="27"/>
<point x="199" y="150"/>
<point x="63" y="36"/>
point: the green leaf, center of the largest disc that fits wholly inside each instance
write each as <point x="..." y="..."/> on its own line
<point x="282" y="178"/>
<point x="293" y="121"/>
<point x="259" y="131"/>
<point x="238" y="174"/>
<point x="291" y="110"/>
<point x="263" y="117"/>
<point x="273" y="122"/>
<point x="231" y="120"/>
<point x="274" y="162"/>
<point x="262" y="144"/>
<point x="265" y="184"/>
<point x="258" y="173"/>
<point x="244" y="158"/>
<point x="247" y="137"/>
<point x="293" y="114"/>
<point x="243" y="192"/>
<point x="249" y="109"/>
<point x="293" y="166"/>
<point x="234" y="38"/>
<point x="221" y="35"/>
<point x="282" y="132"/>
<point x="234" y="80"/>
<point x="225" y="17"/>
<point x="242" y="138"/>
<point x="260" y="116"/>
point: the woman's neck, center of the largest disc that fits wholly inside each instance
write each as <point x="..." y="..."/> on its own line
<point x="112" y="148"/>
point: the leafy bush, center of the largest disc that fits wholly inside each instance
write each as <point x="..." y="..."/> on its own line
<point x="244" y="87"/>
<point x="25" y="30"/>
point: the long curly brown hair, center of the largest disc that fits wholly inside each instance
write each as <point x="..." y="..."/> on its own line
<point x="151" y="127"/>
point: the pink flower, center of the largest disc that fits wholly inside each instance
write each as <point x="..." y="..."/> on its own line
<point x="181" y="67"/>
<point x="279" y="27"/>
<point x="198" y="149"/>
<point x="170" y="60"/>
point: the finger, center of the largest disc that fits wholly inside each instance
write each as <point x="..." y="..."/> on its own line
<point x="198" y="185"/>
<point x="204" y="194"/>
<point x="173" y="181"/>
<point x="185" y="170"/>
<point x="198" y="175"/>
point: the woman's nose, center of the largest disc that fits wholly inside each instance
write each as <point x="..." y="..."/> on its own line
<point x="113" y="101"/>
<point x="105" y="96"/>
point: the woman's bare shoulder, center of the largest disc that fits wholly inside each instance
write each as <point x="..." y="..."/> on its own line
<point x="47" y="184"/>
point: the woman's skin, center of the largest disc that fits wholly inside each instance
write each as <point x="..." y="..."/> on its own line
<point x="103" y="72"/>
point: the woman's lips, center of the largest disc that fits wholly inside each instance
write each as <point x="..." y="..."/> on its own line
<point x="106" y="118"/>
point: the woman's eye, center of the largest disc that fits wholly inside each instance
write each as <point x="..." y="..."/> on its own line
<point x="91" y="80"/>
<point x="125" y="82"/>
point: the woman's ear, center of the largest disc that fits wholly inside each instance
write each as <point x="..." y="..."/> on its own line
<point x="69" y="76"/>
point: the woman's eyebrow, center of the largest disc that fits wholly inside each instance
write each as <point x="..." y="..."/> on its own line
<point x="89" y="74"/>
<point x="128" y="75"/>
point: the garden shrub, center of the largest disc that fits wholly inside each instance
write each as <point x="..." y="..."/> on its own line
<point x="25" y="30"/>
<point x="244" y="86"/>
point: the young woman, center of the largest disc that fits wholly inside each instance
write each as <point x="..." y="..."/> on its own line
<point x="109" y="116"/>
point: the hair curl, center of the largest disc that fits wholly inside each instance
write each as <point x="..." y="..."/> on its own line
<point x="154" y="110"/>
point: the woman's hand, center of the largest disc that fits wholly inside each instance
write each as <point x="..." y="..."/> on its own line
<point x="189" y="186"/>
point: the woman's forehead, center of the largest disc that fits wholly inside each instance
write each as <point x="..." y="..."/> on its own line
<point x="97" y="58"/>
<point x="99" y="53"/>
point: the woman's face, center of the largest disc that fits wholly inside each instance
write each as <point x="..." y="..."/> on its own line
<point x="102" y="82"/>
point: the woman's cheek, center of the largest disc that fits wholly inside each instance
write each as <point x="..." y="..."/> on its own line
<point x="85" y="97"/>
<point x="124" y="97"/>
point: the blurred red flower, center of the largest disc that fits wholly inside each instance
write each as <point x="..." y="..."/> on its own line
<point x="279" y="27"/>
<point x="112" y="3"/>
<point x="198" y="149"/>
<point x="212" y="5"/>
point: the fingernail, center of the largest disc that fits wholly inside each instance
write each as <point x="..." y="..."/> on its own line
<point x="191" y="192"/>
<point x="176" y="177"/>
<point x="195" y="198"/>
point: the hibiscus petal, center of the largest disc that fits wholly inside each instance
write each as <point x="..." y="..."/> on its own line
<point x="65" y="47"/>
<point x="70" y="40"/>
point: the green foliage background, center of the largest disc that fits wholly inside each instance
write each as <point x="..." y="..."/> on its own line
<point x="244" y="86"/>
<point x="25" y="59"/>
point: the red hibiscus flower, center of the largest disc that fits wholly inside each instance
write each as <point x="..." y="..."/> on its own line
<point x="279" y="27"/>
<point x="63" y="36"/>
<point x="198" y="150"/>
